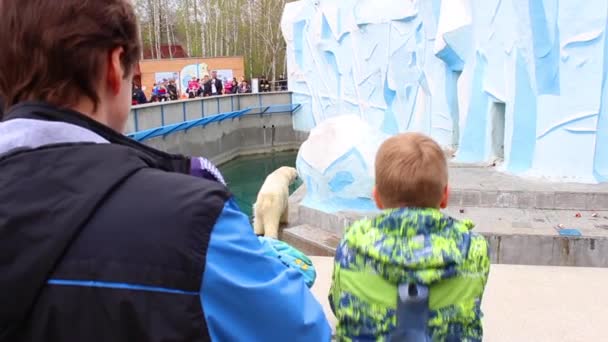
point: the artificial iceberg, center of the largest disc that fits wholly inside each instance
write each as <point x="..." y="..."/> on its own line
<point x="522" y="81"/>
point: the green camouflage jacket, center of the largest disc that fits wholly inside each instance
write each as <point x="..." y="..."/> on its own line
<point x="421" y="246"/>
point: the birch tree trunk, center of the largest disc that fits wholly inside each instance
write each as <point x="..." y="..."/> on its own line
<point x="209" y="28"/>
<point x="157" y="28"/>
<point x="251" y="29"/>
<point x="169" y="40"/>
<point x="186" y="23"/>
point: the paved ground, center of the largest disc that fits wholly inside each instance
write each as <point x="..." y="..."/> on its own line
<point x="529" y="303"/>
<point x="521" y="303"/>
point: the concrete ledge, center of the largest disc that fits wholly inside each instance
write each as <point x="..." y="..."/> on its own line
<point x="333" y="223"/>
<point x="226" y="140"/>
<point x="487" y="187"/>
<point x="566" y="200"/>
<point x="548" y="250"/>
<point x="515" y="236"/>
<point x="504" y="249"/>
<point x="520" y="218"/>
<point x="311" y="241"/>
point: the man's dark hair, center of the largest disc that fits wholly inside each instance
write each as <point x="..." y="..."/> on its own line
<point x="53" y="51"/>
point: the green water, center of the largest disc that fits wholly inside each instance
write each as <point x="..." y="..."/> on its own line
<point x="245" y="175"/>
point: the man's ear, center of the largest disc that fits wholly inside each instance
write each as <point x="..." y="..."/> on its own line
<point x="446" y="197"/>
<point x="115" y="72"/>
<point x="377" y="199"/>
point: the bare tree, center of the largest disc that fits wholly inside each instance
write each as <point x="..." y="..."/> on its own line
<point x="169" y="34"/>
<point x="211" y="28"/>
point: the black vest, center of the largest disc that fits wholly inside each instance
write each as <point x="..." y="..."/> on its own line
<point x="122" y="215"/>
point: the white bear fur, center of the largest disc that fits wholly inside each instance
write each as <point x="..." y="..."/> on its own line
<point x="270" y="208"/>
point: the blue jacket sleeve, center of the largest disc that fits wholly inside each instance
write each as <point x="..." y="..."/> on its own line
<point x="247" y="296"/>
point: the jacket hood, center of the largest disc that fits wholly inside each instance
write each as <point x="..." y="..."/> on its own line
<point x="424" y="244"/>
<point x="53" y="177"/>
<point x="31" y="134"/>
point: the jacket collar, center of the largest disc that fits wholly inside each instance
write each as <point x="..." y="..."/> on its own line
<point x="27" y="134"/>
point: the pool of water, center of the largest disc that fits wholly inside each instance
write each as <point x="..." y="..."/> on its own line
<point x="245" y="175"/>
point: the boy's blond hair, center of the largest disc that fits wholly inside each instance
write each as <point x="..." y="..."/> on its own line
<point x="411" y="171"/>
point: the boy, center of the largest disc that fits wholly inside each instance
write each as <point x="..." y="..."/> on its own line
<point x="410" y="242"/>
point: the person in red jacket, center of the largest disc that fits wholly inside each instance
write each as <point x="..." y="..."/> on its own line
<point x="193" y="88"/>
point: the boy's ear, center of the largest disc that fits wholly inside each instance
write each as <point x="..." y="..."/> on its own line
<point x="377" y="199"/>
<point x="446" y="197"/>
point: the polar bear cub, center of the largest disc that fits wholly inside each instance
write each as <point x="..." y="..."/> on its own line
<point x="270" y="208"/>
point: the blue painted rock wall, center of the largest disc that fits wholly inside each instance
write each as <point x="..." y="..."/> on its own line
<point x="530" y="72"/>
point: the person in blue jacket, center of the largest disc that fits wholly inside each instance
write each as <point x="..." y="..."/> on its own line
<point x="106" y="239"/>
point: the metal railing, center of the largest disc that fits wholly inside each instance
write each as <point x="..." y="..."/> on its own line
<point x="186" y="125"/>
<point x="160" y="114"/>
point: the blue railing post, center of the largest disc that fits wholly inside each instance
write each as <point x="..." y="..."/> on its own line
<point x="162" y="114"/>
<point x="135" y="115"/>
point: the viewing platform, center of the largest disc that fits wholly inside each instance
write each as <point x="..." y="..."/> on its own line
<point x="526" y="303"/>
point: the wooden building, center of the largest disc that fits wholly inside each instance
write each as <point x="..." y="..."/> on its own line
<point x="149" y="68"/>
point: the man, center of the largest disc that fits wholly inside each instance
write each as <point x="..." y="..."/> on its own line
<point x="206" y="87"/>
<point x="215" y="85"/>
<point x="264" y="84"/>
<point x="104" y="239"/>
<point x="282" y="83"/>
<point x="172" y="90"/>
<point x="139" y="97"/>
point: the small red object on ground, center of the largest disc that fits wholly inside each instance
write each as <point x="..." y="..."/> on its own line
<point x="578" y="215"/>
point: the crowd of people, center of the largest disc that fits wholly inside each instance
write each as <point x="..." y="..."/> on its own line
<point x="213" y="86"/>
<point x="164" y="91"/>
<point x="167" y="90"/>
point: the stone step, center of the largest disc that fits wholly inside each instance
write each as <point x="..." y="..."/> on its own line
<point x="520" y="237"/>
<point x="528" y="199"/>
<point x="310" y="240"/>
<point x="488" y="187"/>
<point x="508" y="221"/>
